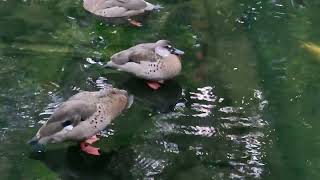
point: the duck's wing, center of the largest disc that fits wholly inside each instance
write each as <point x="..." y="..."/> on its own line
<point x="95" y="5"/>
<point x="142" y="55"/>
<point x="69" y="114"/>
<point x="115" y="8"/>
<point x="135" y="54"/>
<point x="132" y="4"/>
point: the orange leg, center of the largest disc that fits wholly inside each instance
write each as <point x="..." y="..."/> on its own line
<point x="86" y="147"/>
<point x="135" y="23"/>
<point x="154" y="85"/>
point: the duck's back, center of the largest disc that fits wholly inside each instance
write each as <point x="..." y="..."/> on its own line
<point x="115" y="8"/>
<point x="142" y="52"/>
<point x="129" y="4"/>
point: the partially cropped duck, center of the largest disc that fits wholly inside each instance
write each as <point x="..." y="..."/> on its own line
<point x="119" y="8"/>
<point x="155" y="62"/>
<point x="81" y="117"/>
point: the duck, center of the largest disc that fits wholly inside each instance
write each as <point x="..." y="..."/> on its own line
<point x="154" y="62"/>
<point x="82" y="117"/>
<point x="119" y="8"/>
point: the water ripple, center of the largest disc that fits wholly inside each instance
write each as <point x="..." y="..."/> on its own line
<point x="170" y="128"/>
<point x="204" y="109"/>
<point x="204" y="94"/>
<point x="169" y="147"/>
<point x="147" y="166"/>
<point x="255" y="11"/>
<point x="102" y="83"/>
<point x="205" y="98"/>
<point x="239" y="126"/>
<point x="253" y="154"/>
<point x="230" y="109"/>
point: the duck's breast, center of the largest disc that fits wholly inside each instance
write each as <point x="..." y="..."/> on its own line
<point x="163" y="69"/>
<point x="171" y="66"/>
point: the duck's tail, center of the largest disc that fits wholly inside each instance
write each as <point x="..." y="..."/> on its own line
<point x="109" y="64"/>
<point x="157" y="7"/>
<point x="130" y="101"/>
<point x="35" y="145"/>
<point x="151" y="7"/>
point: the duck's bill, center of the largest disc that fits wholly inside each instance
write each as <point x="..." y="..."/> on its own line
<point x="178" y="52"/>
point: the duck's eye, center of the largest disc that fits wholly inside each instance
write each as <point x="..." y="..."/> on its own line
<point x="169" y="46"/>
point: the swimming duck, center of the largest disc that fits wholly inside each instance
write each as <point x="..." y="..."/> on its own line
<point x="155" y="62"/>
<point x="118" y="8"/>
<point x="82" y="116"/>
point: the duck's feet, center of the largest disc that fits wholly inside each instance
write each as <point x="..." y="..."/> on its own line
<point x="87" y="148"/>
<point x="135" y="23"/>
<point x="154" y="85"/>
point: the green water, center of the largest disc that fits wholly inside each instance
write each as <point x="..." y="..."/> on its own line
<point x="244" y="107"/>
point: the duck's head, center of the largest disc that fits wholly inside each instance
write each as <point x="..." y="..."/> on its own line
<point x="165" y="48"/>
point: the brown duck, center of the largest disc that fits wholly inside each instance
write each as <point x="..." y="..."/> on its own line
<point x="119" y="8"/>
<point x="155" y="62"/>
<point x="82" y="116"/>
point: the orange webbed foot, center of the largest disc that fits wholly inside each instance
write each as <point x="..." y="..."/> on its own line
<point x="154" y="85"/>
<point x="135" y="23"/>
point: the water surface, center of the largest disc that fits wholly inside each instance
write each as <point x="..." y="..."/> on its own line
<point x="244" y="107"/>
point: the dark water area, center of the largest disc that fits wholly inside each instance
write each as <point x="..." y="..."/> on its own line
<point x="244" y="106"/>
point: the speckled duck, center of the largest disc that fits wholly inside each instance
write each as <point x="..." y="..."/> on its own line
<point x="82" y="116"/>
<point x="155" y="62"/>
<point x="119" y="8"/>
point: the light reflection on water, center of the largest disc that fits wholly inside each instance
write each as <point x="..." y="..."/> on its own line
<point x="102" y="83"/>
<point x="253" y="155"/>
<point x="148" y="166"/>
<point x="205" y="95"/>
<point x="248" y="160"/>
<point x="244" y="151"/>
<point x="167" y="128"/>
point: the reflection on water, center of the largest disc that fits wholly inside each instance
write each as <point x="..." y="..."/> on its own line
<point x="147" y="166"/>
<point x="167" y="128"/>
<point x="163" y="100"/>
<point x="242" y="149"/>
<point x="107" y="166"/>
<point x="102" y="83"/>
<point x="206" y="95"/>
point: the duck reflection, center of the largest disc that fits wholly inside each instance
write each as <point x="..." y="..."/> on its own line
<point x="71" y="163"/>
<point x="162" y="100"/>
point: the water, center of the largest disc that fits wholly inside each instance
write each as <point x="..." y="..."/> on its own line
<point x="244" y="107"/>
